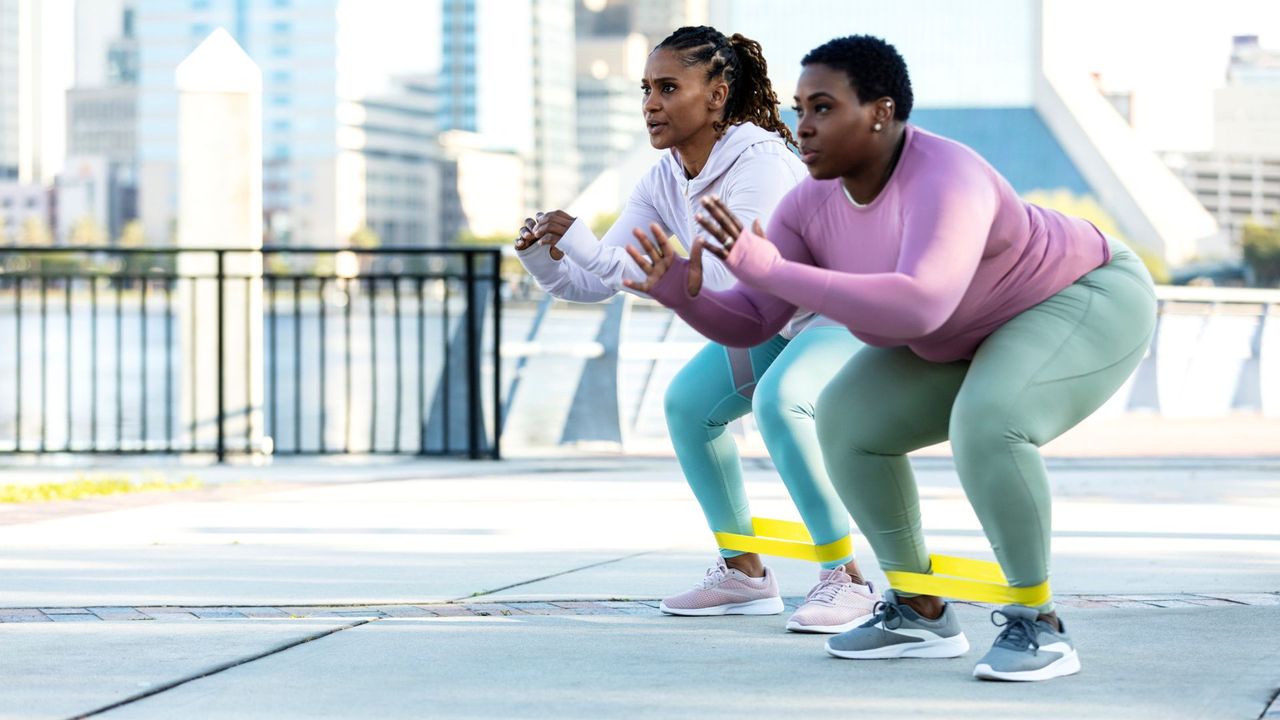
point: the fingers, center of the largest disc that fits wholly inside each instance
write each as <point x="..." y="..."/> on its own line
<point x="712" y="227"/>
<point x="712" y="248"/>
<point x="524" y="238"/>
<point x="555" y="222"/>
<point x="662" y="242"/>
<point x="648" y="246"/>
<point x="720" y="212"/>
<point x="640" y="260"/>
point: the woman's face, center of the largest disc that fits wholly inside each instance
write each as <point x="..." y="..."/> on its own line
<point x="678" y="100"/>
<point x="835" y="128"/>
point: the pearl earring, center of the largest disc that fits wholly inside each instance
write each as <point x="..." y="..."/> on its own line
<point x="877" y="127"/>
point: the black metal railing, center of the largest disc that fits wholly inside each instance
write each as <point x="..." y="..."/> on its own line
<point x="286" y="351"/>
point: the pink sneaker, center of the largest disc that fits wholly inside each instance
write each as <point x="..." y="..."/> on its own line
<point x="724" y="591"/>
<point x="835" y="605"/>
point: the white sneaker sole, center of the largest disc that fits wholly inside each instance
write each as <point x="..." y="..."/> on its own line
<point x="948" y="647"/>
<point x="794" y="626"/>
<point x="1068" y="664"/>
<point x="763" y="606"/>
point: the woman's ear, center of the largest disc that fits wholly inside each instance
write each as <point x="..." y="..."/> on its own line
<point x="717" y="96"/>
<point x="883" y="111"/>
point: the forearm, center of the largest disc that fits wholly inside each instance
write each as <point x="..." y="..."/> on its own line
<point x="562" y="278"/>
<point x="737" y="317"/>
<point x="892" y="305"/>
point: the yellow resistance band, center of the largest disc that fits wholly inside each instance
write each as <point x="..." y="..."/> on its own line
<point x="784" y="538"/>
<point x="967" y="579"/>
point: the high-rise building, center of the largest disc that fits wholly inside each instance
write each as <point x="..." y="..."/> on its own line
<point x="1238" y="181"/>
<point x="345" y="144"/>
<point x="508" y="76"/>
<point x="610" y="120"/>
<point x="99" y="180"/>
<point x="21" y="85"/>
<point x="99" y="24"/>
<point x="398" y="140"/>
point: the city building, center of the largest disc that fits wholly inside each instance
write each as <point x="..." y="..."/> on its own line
<point x="22" y="90"/>
<point x="347" y="135"/>
<point x="1238" y="181"/>
<point x="522" y="97"/>
<point x="483" y="188"/>
<point x="102" y="125"/>
<point x="23" y="208"/>
<point x="610" y="122"/>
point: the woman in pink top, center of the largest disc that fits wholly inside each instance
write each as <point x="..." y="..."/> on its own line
<point x="991" y="322"/>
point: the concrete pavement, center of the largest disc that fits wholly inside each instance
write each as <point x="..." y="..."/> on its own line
<point x="465" y="589"/>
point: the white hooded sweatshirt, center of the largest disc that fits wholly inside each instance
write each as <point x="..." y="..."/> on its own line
<point x="749" y="168"/>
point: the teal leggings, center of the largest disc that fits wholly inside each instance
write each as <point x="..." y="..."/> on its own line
<point x="779" y="381"/>
<point x="1034" y="378"/>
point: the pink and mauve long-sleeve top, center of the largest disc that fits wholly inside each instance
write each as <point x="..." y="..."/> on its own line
<point x="944" y="255"/>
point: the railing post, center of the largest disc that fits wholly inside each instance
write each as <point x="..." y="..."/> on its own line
<point x="221" y="364"/>
<point x="474" y="409"/>
<point x="497" y="354"/>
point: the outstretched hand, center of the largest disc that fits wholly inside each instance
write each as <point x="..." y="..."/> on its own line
<point x="723" y="226"/>
<point x="658" y="257"/>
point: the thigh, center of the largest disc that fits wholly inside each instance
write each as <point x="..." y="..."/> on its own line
<point x="715" y="386"/>
<point x="1051" y="366"/>
<point x="889" y="401"/>
<point x="804" y="367"/>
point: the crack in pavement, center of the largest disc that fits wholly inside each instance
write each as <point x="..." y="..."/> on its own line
<point x="217" y="669"/>
<point x="482" y="593"/>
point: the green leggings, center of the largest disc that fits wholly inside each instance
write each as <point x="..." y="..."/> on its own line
<point x="780" y="382"/>
<point x="1033" y="379"/>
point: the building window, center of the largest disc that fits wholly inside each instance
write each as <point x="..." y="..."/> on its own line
<point x="199" y="4"/>
<point x="280" y="27"/>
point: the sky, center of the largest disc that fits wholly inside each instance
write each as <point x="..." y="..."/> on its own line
<point x="1171" y="53"/>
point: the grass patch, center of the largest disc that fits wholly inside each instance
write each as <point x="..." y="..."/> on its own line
<point x="86" y="487"/>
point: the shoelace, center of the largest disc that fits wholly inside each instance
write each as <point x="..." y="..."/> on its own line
<point x="715" y="574"/>
<point x="888" y="613"/>
<point x="827" y="590"/>
<point x="1019" y="633"/>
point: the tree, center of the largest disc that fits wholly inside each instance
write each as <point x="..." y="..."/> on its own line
<point x="602" y="222"/>
<point x="1261" y="248"/>
<point x="132" y="234"/>
<point x="35" y="233"/>
<point x="1086" y="207"/>
<point x="364" y="237"/>
<point x="86" y="231"/>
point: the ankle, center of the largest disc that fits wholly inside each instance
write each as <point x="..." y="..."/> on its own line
<point x="851" y="568"/>
<point x="929" y="607"/>
<point x="749" y="565"/>
<point x="1052" y="619"/>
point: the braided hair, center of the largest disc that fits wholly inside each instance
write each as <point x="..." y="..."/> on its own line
<point x="740" y="61"/>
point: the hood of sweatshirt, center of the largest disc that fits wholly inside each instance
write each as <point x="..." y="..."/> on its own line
<point x="735" y="141"/>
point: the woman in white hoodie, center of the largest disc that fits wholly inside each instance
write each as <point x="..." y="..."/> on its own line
<point x="708" y="99"/>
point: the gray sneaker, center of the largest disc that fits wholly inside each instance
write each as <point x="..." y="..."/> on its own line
<point x="895" y="630"/>
<point x="1027" y="649"/>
